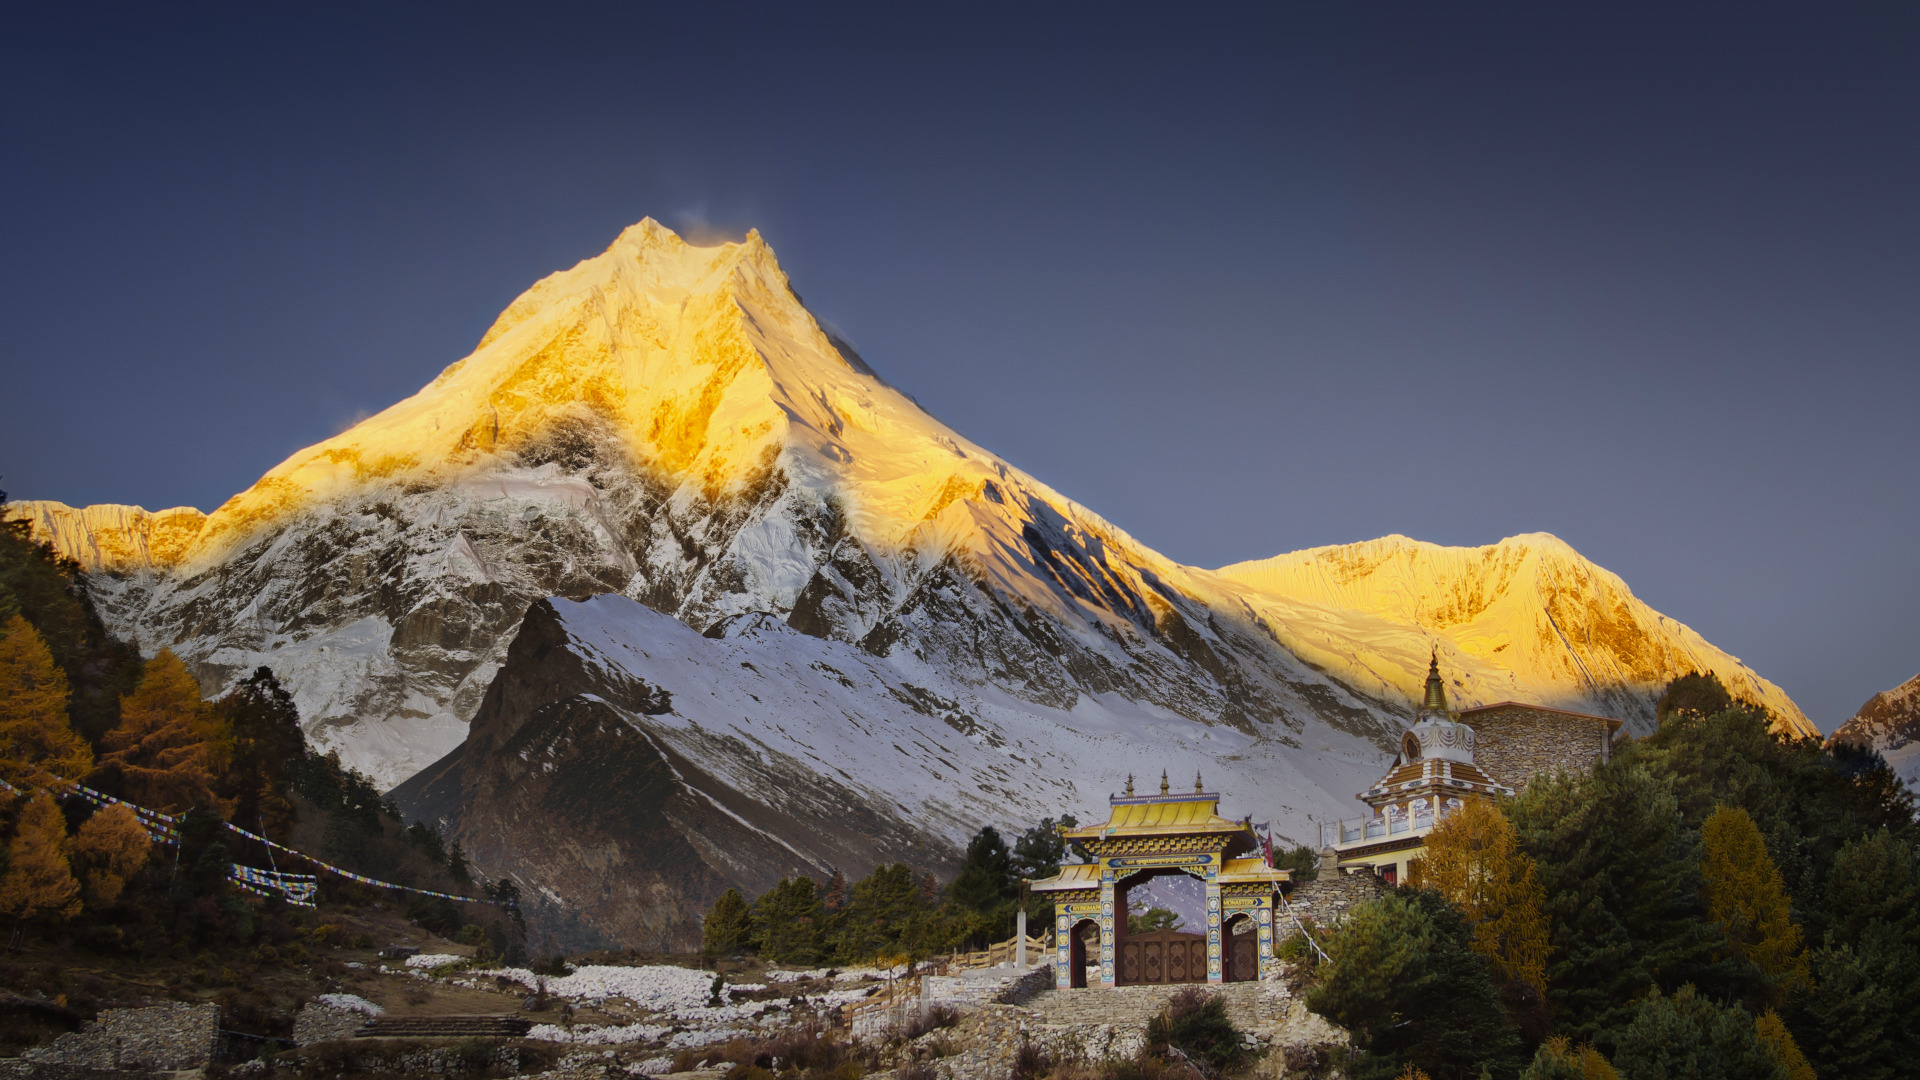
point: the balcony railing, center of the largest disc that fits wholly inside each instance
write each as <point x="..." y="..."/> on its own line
<point x="1355" y="830"/>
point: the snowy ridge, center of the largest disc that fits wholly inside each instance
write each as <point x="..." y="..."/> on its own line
<point x="668" y="422"/>
<point x="1890" y="723"/>
<point x="1525" y="619"/>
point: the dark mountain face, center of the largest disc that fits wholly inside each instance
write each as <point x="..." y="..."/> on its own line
<point x="576" y="782"/>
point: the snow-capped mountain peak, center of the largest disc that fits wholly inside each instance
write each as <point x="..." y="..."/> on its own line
<point x="667" y="421"/>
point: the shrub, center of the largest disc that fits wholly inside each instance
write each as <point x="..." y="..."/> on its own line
<point x="1195" y="1022"/>
<point x="1030" y="1062"/>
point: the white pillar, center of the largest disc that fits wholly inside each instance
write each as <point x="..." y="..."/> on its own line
<point x="1020" y="942"/>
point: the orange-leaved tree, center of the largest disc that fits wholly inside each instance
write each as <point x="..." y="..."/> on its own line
<point x="110" y="848"/>
<point x="39" y="880"/>
<point x="1473" y="858"/>
<point x="1744" y="894"/>
<point x="38" y="747"/>
<point x="1779" y="1042"/>
<point x="159" y="755"/>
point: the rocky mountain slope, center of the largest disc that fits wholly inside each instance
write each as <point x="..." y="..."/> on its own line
<point x="1890" y="723"/>
<point x="667" y="423"/>
<point x="626" y="763"/>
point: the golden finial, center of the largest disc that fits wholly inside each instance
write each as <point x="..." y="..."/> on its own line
<point x="1436" y="701"/>
<point x="1129" y="785"/>
<point x="1163" y="781"/>
<point x="1197" y="789"/>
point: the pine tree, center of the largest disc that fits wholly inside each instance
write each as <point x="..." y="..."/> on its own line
<point x="1807" y="801"/>
<point x="457" y="867"/>
<point x="1693" y="693"/>
<point x="38" y="747"/>
<point x="1404" y="979"/>
<point x="39" y="880"/>
<point x="259" y="748"/>
<point x="985" y="880"/>
<point x="1558" y="1059"/>
<point x="1473" y="859"/>
<point x="50" y="593"/>
<point x="878" y="916"/>
<point x="109" y="849"/>
<point x="1691" y="1036"/>
<point x="1743" y="893"/>
<point x="159" y="755"/>
<point x="1620" y="876"/>
<point x="1862" y="1020"/>
<point x="786" y="922"/>
<point x="836" y="897"/>
<point x="728" y="925"/>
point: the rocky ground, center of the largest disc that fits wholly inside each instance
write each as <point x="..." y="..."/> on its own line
<point x="609" y="1015"/>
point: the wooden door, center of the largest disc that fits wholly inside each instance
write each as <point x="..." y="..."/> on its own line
<point x="1163" y="957"/>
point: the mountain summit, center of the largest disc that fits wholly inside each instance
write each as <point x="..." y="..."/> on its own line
<point x="667" y="422"/>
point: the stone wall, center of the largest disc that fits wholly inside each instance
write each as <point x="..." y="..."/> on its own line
<point x="317" y="1023"/>
<point x="985" y="986"/>
<point x="1327" y="898"/>
<point x="1094" y="1027"/>
<point x="162" y="1037"/>
<point x="1515" y="743"/>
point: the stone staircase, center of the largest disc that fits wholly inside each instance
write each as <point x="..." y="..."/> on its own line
<point x="444" y="1027"/>
<point x="1138" y="1004"/>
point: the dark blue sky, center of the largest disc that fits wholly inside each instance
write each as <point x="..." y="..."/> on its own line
<point x="1243" y="282"/>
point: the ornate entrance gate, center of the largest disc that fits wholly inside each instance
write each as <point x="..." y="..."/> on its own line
<point x="1145" y="836"/>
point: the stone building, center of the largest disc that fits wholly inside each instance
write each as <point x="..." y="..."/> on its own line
<point x="1447" y="759"/>
<point x="1516" y="742"/>
<point x="1434" y="775"/>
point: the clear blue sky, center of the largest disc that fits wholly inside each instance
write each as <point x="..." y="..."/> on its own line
<point x="1241" y="281"/>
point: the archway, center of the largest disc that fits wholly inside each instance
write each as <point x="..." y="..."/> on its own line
<point x="1163" y="955"/>
<point x="1082" y="941"/>
<point x="1240" y="949"/>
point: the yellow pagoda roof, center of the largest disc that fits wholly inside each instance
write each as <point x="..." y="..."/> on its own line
<point x="1236" y="871"/>
<point x="1159" y="814"/>
<point x="1072" y="876"/>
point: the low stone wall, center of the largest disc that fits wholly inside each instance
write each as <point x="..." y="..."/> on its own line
<point x="317" y="1023"/>
<point x="994" y="1034"/>
<point x="22" y="1069"/>
<point x="964" y="992"/>
<point x="400" y="1057"/>
<point x="162" y="1037"/>
<point x="1327" y="898"/>
<point x="985" y="986"/>
<point x="1096" y="1026"/>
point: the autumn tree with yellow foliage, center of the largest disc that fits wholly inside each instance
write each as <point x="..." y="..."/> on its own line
<point x="39" y="881"/>
<point x="1779" y="1042"/>
<point x="1473" y="859"/>
<point x="109" y="849"/>
<point x="38" y="747"/>
<point x="160" y="755"/>
<point x="1559" y="1059"/>
<point x="1743" y="892"/>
